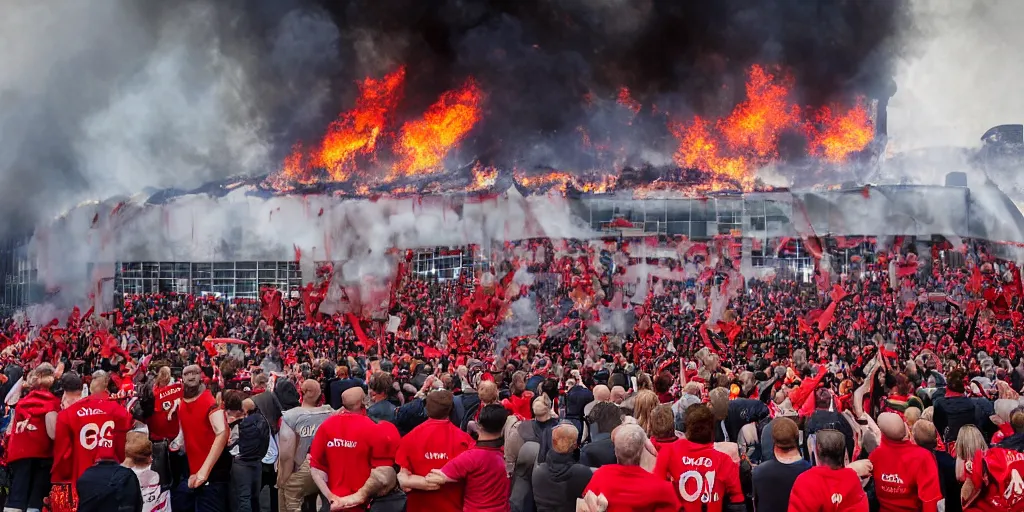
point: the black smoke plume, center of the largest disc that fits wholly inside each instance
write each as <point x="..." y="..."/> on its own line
<point x="113" y="97"/>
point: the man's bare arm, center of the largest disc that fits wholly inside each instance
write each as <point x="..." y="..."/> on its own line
<point x="320" y="479"/>
<point x="410" y="481"/>
<point x="220" y="428"/>
<point x="381" y="480"/>
<point x="287" y="443"/>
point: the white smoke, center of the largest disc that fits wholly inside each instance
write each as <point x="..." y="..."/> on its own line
<point x="962" y="76"/>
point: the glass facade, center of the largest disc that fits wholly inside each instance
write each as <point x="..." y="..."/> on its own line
<point x="442" y="263"/>
<point x="241" y="279"/>
<point x="19" y="274"/>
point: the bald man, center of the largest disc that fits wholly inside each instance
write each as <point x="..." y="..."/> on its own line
<point x="299" y="426"/>
<point x="906" y="475"/>
<point x="351" y="458"/>
<point x="559" y="480"/>
<point x="601" y="394"/>
<point x="205" y="431"/>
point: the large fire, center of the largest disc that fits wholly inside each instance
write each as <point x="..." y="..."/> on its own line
<point x="735" y="146"/>
<point x="724" y="153"/>
<point x="425" y="142"/>
<point x="354" y="133"/>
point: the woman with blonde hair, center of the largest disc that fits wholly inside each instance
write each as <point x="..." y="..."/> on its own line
<point x="30" y="448"/>
<point x="138" y="453"/>
<point x="643" y="405"/>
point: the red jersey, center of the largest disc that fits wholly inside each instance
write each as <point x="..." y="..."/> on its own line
<point x="906" y="477"/>
<point x="483" y="471"/>
<point x="631" y="489"/>
<point x="160" y="427"/>
<point x="704" y="478"/>
<point x="346" y="447"/>
<point x="997" y="481"/>
<point x="90" y="429"/>
<point x="823" y="489"/>
<point x="32" y="441"/>
<point x="198" y="432"/>
<point x="430" y="446"/>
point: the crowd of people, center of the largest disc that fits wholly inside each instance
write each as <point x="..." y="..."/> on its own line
<point x="570" y="375"/>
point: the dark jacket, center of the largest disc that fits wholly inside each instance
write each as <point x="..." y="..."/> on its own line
<point x="410" y="416"/>
<point x="340" y="386"/>
<point x="598" y="452"/>
<point x="575" y="400"/>
<point x="382" y="411"/>
<point x="951" y="413"/>
<point x="947" y="480"/>
<point x="558" y="482"/>
<point x="270" y="406"/>
<point x="109" y="487"/>
<point x="824" y="419"/>
<point x="253" y="438"/>
<point x="1014" y="442"/>
<point x="464" y="409"/>
<point x="741" y="412"/>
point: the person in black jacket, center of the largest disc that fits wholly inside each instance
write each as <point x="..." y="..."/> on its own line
<point x="576" y="399"/>
<point x="954" y="410"/>
<point x="732" y="415"/>
<point x="601" y="451"/>
<point x="559" y="479"/>
<point x="925" y="437"/>
<point x="109" y="487"/>
<point x="250" y="439"/>
<point x="825" y="417"/>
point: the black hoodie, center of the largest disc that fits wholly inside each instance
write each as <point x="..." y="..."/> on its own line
<point x="558" y="482"/>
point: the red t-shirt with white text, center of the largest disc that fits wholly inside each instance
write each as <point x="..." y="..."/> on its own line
<point x="90" y="429"/>
<point x="346" y="447"/>
<point x="430" y="446"/>
<point x="704" y="478"/>
<point x="161" y="428"/>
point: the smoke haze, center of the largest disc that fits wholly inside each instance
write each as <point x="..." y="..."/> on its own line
<point x="963" y="76"/>
<point x="112" y="97"/>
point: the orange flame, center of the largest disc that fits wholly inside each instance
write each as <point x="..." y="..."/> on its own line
<point x="838" y="136"/>
<point x="483" y="177"/>
<point x="354" y="133"/>
<point x="424" y="143"/>
<point x="754" y="125"/>
<point x="734" y="147"/>
<point x="699" y="149"/>
<point x="626" y="100"/>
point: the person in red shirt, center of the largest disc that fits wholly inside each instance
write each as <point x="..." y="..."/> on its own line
<point x="205" y="432"/>
<point x="164" y="426"/>
<point x="993" y="480"/>
<point x="30" y="447"/>
<point x="829" y="486"/>
<point x="626" y="486"/>
<point x="92" y="428"/>
<point x="906" y="475"/>
<point x="428" y="447"/>
<point x="345" y="450"/>
<point x="482" y="468"/>
<point x="163" y="423"/>
<point x="706" y="480"/>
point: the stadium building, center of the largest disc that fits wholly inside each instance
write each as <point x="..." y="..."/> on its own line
<point x="234" y="260"/>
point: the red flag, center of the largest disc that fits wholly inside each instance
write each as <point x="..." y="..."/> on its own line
<point x="730" y="329"/>
<point x="837" y="294"/>
<point x="364" y="341"/>
<point x="270" y="303"/>
<point x="974" y="284"/>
